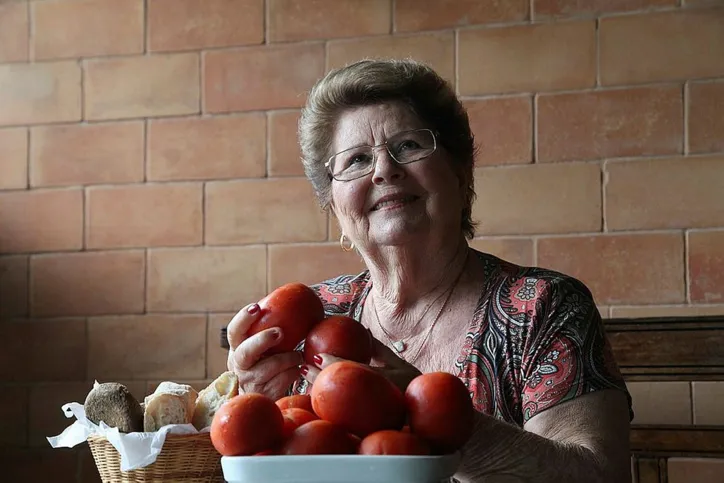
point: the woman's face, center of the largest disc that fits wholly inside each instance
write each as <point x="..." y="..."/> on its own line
<point x="394" y="204"/>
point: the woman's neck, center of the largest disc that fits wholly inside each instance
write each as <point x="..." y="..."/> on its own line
<point x="407" y="277"/>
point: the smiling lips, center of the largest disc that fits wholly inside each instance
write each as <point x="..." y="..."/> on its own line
<point x="395" y="200"/>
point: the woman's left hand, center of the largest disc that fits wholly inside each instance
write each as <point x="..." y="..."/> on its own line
<point x="384" y="360"/>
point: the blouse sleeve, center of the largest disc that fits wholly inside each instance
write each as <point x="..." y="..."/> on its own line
<point x="569" y="354"/>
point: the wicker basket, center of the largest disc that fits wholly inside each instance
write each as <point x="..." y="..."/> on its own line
<point x="184" y="458"/>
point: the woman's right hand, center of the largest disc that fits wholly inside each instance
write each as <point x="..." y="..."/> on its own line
<point x="271" y="375"/>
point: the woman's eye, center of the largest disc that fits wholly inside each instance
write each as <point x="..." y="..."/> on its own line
<point x="407" y="144"/>
<point x="357" y="159"/>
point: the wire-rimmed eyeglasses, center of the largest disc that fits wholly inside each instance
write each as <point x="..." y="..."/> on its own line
<point x="404" y="147"/>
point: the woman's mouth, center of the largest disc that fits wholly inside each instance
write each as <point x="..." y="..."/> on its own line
<point x="389" y="203"/>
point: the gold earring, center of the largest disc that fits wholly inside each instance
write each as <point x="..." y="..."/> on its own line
<point x="342" y="243"/>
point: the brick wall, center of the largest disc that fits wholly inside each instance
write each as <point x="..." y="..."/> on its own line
<point x="150" y="183"/>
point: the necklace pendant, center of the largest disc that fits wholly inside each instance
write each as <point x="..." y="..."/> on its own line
<point x="399" y="346"/>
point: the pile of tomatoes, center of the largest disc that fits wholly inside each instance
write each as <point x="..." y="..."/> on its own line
<point x="352" y="407"/>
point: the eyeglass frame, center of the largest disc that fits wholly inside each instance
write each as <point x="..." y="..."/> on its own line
<point x="328" y="164"/>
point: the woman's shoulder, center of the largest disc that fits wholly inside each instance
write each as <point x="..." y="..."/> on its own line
<point x="342" y="292"/>
<point x="529" y="283"/>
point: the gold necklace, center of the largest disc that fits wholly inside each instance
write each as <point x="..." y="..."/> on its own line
<point x="400" y="346"/>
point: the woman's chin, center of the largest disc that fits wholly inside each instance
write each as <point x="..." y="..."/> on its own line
<point x="401" y="232"/>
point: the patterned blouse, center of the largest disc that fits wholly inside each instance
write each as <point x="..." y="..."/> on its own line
<point x="536" y="339"/>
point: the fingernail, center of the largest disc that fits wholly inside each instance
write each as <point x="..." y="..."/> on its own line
<point x="276" y="333"/>
<point x="317" y="359"/>
<point x="304" y="370"/>
<point x="253" y="308"/>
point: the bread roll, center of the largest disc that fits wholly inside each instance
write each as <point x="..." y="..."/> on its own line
<point x="210" y="399"/>
<point x="170" y="403"/>
<point x="113" y="404"/>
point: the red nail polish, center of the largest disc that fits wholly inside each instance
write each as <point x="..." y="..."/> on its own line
<point x="277" y="334"/>
<point x="253" y="309"/>
<point x="304" y="370"/>
<point x="317" y="359"/>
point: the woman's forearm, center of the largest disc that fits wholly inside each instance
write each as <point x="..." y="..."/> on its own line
<point x="501" y="453"/>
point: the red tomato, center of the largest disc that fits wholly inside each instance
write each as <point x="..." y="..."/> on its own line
<point x="440" y="410"/>
<point x="388" y="442"/>
<point x="301" y="401"/>
<point x="319" y="437"/>
<point x="295" y="417"/>
<point x="339" y="336"/>
<point x="247" y="424"/>
<point x="358" y="398"/>
<point x="293" y="307"/>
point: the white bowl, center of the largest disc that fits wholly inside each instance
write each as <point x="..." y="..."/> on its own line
<point x="339" y="469"/>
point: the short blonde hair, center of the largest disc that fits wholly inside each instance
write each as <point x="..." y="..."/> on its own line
<point x="369" y="82"/>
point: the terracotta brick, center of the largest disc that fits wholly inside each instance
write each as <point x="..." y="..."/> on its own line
<point x="44" y="350"/>
<point x="205" y="279"/>
<point x="147" y="347"/>
<point x="326" y="19"/>
<point x="148" y="215"/>
<point x="44" y="220"/>
<point x="526" y="58"/>
<point x="621" y="269"/>
<point x="14" y="158"/>
<point x="289" y="213"/>
<point x="661" y="402"/>
<point x="89" y="283"/>
<point x="695" y="470"/>
<point x="14" y="32"/>
<point x="665" y="193"/>
<point x="110" y="153"/>
<point x="144" y="86"/>
<point x="207" y="148"/>
<point x="416" y="15"/>
<point x="707" y="397"/>
<point x="310" y="264"/>
<point x="667" y="311"/>
<point x="700" y="3"/>
<point x="706" y="266"/>
<point x="14" y="404"/>
<point x="514" y="250"/>
<point x="40" y="93"/>
<point x="333" y="230"/>
<point x="58" y="465"/>
<point x="705" y="117"/>
<point x="215" y="354"/>
<point x="437" y="50"/>
<point x="663" y="46"/>
<point x="503" y="129"/>
<point x="198" y="24"/>
<point x="46" y="417"/>
<point x="87" y="28"/>
<point x="573" y="8"/>
<point x="285" y="157"/>
<point x="261" y="77"/>
<point x="560" y="198"/>
<point x="13" y="286"/>
<point x="613" y="123"/>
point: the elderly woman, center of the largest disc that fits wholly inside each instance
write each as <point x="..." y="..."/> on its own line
<point x="388" y="149"/>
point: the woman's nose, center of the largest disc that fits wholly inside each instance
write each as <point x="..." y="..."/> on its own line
<point x="386" y="168"/>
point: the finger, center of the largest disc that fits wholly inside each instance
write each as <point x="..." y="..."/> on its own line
<point x="278" y="385"/>
<point x="240" y="323"/>
<point x="251" y="349"/>
<point x="269" y="367"/>
<point x="384" y="356"/>
<point x="324" y="360"/>
<point x="309" y="373"/>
